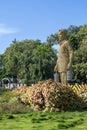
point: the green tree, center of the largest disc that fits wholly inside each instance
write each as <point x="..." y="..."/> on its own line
<point x="2" y="69"/>
<point x="29" y="61"/>
<point x="80" y="63"/>
<point x="72" y="29"/>
<point x="52" y="39"/>
<point x="18" y="57"/>
<point x="73" y="36"/>
<point x="43" y="63"/>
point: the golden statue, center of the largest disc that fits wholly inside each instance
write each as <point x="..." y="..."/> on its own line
<point x="65" y="56"/>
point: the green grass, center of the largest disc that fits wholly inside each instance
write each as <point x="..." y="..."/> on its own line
<point x="44" y="121"/>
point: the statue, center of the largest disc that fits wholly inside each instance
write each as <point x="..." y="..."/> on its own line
<point x="65" y="56"/>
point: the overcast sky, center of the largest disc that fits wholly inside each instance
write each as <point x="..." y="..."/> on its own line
<point x="37" y="19"/>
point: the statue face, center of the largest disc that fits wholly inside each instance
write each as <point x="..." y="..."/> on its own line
<point x="62" y="35"/>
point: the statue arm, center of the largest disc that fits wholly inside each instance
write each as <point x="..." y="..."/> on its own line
<point x="56" y="66"/>
<point x="70" y="50"/>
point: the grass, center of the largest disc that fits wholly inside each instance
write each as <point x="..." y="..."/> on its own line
<point x="44" y="121"/>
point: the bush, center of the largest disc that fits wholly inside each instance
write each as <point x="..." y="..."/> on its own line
<point x="46" y="96"/>
<point x="50" y="96"/>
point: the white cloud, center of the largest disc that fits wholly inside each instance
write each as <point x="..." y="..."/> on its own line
<point x="7" y="30"/>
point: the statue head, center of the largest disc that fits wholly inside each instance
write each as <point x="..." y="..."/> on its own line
<point x="62" y="34"/>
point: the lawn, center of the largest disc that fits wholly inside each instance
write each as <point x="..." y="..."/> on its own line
<point x="44" y="121"/>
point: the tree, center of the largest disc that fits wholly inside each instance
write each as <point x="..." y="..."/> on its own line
<point x="80" y="63"/>
<point x="73" y="36"/>
<point x="43" y="63"/>
<point x="2" y="70"/>
<point x="17" y="57"/>
<point x="29" y="61"/>
<point x="52" y="39"/>
<point x="72" y="29"/>
<point x="74" y="41"/>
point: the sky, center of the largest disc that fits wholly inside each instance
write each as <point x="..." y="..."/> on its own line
<point x="38" y="19"/>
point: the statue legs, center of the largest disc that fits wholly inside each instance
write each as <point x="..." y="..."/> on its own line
<point x="63" y="77"/>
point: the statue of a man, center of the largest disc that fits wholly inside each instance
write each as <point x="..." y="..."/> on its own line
<point x="65" y="56"/>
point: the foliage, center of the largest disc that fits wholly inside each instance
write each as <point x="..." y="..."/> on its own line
<point x="72" y="29"/>
<point x="80" y="63"/>
<point x="28" y="61"/>
<point x="53" y="96"/>
<point x="9" y="103"/>
<point x="43" y="63"/>
<point x="17" y="58"/>
<point x="2" y="69"/>
<point x="74" y="41"/>
<point x="13" y="107"/>
<point x="83" y="33"/>
<point x="52" y="39"/>
<point x="46" y="96"/>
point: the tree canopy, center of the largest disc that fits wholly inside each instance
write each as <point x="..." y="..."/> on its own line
<point x="29" y="60"/>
